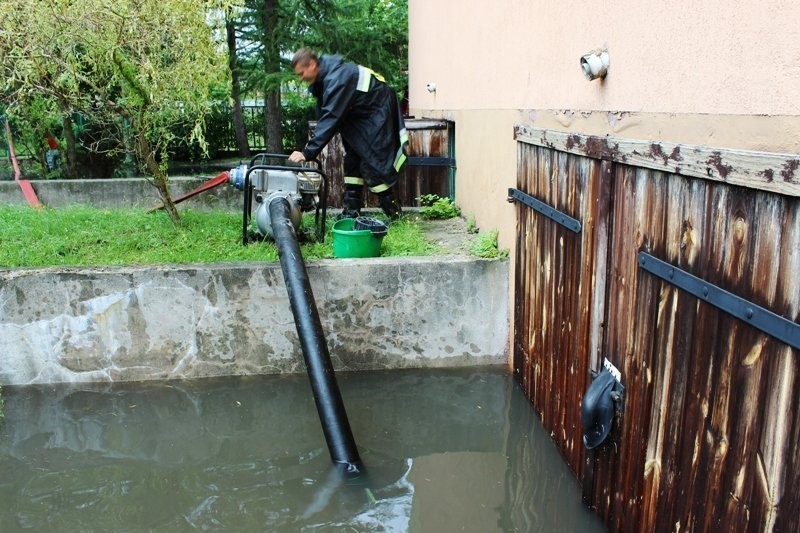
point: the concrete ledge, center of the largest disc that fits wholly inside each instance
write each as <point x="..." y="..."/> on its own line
<point x="121" y="192"/>
<point x="130" y="324"/>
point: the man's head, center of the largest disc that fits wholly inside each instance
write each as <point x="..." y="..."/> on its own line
<point x="306" y="65"/>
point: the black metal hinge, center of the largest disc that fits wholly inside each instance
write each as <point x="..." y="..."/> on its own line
<point x="431" y="161"/>
<point x="545" y="209"/>
<point x="763" y="319"/>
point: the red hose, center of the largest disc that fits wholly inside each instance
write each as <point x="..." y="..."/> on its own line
<point x="210" y="184"/>
<point x="25" y="185"/>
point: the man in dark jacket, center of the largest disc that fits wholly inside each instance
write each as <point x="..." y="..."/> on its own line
<point x="357" y="103"/>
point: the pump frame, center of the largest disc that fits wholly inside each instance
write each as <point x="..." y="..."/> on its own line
<point x="258" y="162"/>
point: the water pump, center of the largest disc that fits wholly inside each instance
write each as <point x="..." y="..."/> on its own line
<point x="304" y="188"/>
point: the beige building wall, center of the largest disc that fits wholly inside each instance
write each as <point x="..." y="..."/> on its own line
<point x="710" y="57"/>
<point x="711" y="73"/>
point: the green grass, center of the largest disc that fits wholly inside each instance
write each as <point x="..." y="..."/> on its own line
<point x="486" y="246"/>
<point x="84" y="236"/>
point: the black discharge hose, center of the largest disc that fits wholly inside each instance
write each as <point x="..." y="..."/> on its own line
<point x="330" y="406"/>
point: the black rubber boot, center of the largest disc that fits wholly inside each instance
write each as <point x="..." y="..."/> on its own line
<point x="390" y="205"/>
<point x="352" y="201"/>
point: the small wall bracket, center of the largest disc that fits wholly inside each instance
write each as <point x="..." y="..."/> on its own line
<point x="545" y="209"/>
<point x="618" y="392"/>
<point x="760" y="318"/>
<point x="608" y="365"/>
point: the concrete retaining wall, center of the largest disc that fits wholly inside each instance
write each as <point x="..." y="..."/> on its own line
<point x="129" y="324"/>
<point x="121" y="192"/>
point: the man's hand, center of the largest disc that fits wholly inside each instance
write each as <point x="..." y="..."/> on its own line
<point x="297" y="157"/>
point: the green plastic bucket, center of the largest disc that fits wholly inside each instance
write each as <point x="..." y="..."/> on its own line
<point x="350" y="242"/>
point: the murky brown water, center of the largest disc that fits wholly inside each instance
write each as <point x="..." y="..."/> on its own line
<point x="455" y="450"/>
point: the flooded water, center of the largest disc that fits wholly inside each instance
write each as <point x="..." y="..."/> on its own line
<point x="454" y="450"/>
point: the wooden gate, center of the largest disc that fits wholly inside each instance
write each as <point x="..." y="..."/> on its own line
<point x="709" y="436"/>
<point x="558" y="312"/>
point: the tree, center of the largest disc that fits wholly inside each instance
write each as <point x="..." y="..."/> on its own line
<point x="373" y="33"/>
<point x="370" y="32"/>
<point x="268" y="29"/>
<point x="271" y="59"/>
<point x="138" y="68"/>
<point x="240" y="132"/>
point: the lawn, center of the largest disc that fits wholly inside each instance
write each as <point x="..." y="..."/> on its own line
<point x="84" y="236"/>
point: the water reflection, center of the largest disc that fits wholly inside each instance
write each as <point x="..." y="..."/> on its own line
<point x="457" y="450"/>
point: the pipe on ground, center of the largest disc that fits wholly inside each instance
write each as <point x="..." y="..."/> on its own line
<point x="327" y="397"/>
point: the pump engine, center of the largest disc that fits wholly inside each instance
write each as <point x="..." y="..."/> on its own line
<point x="300" y="186"/>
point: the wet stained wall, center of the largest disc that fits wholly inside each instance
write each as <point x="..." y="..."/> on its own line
<point x="708" y="434"/>
<point x="192" y="321"/>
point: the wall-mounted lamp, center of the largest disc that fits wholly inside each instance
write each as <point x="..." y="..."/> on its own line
<point x="595" y="64"/>
<point x="431" y="87"/>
